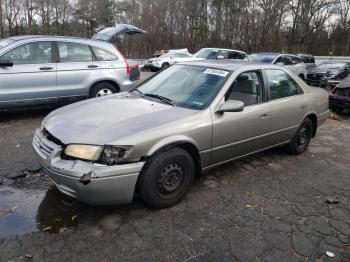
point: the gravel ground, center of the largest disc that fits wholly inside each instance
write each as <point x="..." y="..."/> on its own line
<point x="267" y="207"/>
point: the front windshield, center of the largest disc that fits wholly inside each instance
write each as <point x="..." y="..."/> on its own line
<point x="331" y="65"/>
<point x="186" y="86"/>
<point x="207" y="53"/>
<point x="264" y="58"/>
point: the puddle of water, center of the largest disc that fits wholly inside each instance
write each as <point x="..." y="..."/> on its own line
<point x="22" y="219"/>
<point x="51" y="211"/>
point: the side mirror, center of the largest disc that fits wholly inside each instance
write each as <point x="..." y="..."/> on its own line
<point x="220" y="57"/>
<point x="6" y="64"/>
<point x="280" y="63"/>
<point x="231" y="106"/>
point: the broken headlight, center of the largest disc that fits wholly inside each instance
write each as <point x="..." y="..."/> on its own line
<point x="112" y="155"/>
<point x="86" y="152"/>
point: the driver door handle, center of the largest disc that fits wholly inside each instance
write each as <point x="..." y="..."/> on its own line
<point x="45" y="68"/>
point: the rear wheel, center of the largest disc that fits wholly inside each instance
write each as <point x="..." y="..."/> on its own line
<point x="166" y="178"/>
<point x="102" y="89"/>
<point x="302" y="77"/>
<point x="301" y="139"/>
<point x="165" y="65"/>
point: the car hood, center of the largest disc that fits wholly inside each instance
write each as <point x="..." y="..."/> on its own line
<point x="106" y="120"/>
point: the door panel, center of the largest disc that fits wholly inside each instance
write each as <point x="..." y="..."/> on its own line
<point x="239" y="133"/>
<point x="76" y="71"/>
<point x="32" y="79"/>
<point x="287" y="104"/>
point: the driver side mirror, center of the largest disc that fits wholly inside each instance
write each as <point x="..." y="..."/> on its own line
<point x="6" y="64"/>
<point x="231" y="106"/>
<point x="220" y="57"/>
<point x="280" y="63"/>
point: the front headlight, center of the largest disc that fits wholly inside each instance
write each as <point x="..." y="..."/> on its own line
<point x="86" y="152"/>
<point x="112" y="155"/>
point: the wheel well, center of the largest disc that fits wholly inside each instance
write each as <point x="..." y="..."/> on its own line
<point x="105" y="81"/>
<point x="313" y="119"/>
<point x="191" y="149"/>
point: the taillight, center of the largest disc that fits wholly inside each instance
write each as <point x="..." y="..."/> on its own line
<point x="128" y="69"/>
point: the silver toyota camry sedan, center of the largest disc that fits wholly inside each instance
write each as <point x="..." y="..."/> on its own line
<point x="154" y="139"/>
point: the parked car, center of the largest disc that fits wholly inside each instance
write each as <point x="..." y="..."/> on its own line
<point x="328" y="74"/>
<point x="339" y="98"/>
<point x="214" y="54"/>
<point x="186" y="119"/>
<point x="167" y="59"/>
<point x="292" y="62"/>
<point x="309" y="61"/>
<point x="52" y="70"/>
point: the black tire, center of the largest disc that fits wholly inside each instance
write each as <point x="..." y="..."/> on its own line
<point x="166" y="178"/>
<point x="302" y="77"/>
<point x="301" y="139"/>
<point x="99" y="87"/>
<point x="165" y="65"/>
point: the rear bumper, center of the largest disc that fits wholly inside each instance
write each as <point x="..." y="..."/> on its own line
<point x="126" y="85"/>
<point x="322" y="118"/>
<point x="108" y="184"/>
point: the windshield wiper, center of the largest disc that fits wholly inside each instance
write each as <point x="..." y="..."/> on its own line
<point x="137" y="91"/>
<point x="161" y="98"/>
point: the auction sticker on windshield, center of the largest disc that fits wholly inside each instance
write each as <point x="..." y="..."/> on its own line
<point x="217" y="72"/>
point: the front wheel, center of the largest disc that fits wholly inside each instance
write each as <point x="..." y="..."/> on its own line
<point x="301" y="139"/>
<point x="167" y="178"/>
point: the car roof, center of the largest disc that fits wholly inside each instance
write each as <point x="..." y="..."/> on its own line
<point x="225" y="64"/>
<point x="272" y="53"/>
<point x="225" y="49"/>
<point x="51" y="38"/>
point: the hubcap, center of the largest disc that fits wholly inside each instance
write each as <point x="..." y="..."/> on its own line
<point x="303" y="136"/>
<point x="104" y="92"/>
<point x="170" y="179"/>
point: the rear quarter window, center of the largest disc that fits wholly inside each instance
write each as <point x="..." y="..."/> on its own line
<point x="103" y="55"/>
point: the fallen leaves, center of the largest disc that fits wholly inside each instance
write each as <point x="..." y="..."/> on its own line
<point x="331" y="200"/>
<point x="330" y="254"/>
<point x="5" y="212"/>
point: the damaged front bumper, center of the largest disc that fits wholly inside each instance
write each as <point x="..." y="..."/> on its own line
<point x="87" y="182"/>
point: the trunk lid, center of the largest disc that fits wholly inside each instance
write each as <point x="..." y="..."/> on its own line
<point x="109" y="33"/>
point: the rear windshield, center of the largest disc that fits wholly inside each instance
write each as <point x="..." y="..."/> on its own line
<point x="4" y="43"/>
<point x="342" y="92"/>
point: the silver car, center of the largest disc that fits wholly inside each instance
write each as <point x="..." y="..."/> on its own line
<point x="51" y="70"/>
<point x="292" y="62"/>
<point x="186" y="119"/>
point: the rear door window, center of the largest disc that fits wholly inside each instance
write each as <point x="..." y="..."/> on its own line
<point x="103" y="55"/>
<point x="281" y="84"/>
<point x="74" y="52"/>
<point x="31" y="53"/>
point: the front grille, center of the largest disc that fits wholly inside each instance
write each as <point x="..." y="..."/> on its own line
<point x="314" y="76"/>
<point x="51" y="138"/>
<point x="43" y="146"/>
